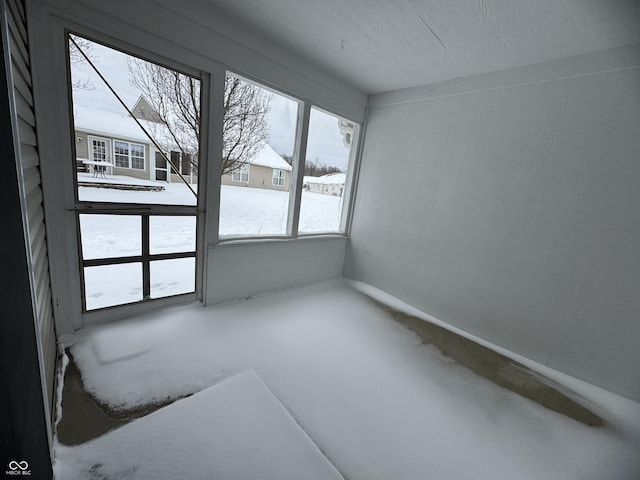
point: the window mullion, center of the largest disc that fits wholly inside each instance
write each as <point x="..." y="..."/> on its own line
<point x="146" y="263"/>
<point x="299" y="155"/>
<point x="351" y="180"/>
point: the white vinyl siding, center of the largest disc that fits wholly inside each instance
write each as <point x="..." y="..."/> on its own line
<point x="28" y="159"/>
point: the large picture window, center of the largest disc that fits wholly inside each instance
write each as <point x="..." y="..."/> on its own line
<point x="137" y="231"/>
<point x="259" y="130"/>
<point x="259" y="144"/>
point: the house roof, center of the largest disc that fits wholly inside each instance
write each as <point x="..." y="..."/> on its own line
<point x="267" y="157"/>
<point x="145" y="111"/>
<point x="120" y="125"/>
<point x="330" y="179"/>
<point x="102" y="122"/>
<point x="110" y="124"/>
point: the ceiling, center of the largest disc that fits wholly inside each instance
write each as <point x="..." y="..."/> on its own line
<point x="384" y="45"/>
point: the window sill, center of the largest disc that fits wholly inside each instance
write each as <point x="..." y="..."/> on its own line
<point x="237" y="240"/>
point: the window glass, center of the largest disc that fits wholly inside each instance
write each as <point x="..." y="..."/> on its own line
<point x="121" y="150"/>
<point x="137" y="156"/>
<point x="99" y="150"/>
<point x="259" y="129"/>
<point x="278" y="177"/>
<point x="185" y="164"/>
<point x="109" y="285"/>
<point x="172" y="234"/>
<point x="111" y="148"/>
<point x="110" y="236"/>
<point x="140" y="252"/>
<point x="172" y="277"/>
<point x="326" y="170"/>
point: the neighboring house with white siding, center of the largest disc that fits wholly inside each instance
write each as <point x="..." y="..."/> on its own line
<point x="331" y="184"/>
<point x="266" y="170"/>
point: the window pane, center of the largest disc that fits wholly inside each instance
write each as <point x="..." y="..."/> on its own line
<point x="325" y="171"/>
<point x="114" y="157"/>
<point x="109" y="236"/>
<point x="110" y="285"/>
<point x="278" y="177"/>
<point x="99" y="153"/>
<point x="258" y="141"/>
<point x="121" y="151"/>
<point x="185" y="165"/>
<point x="172" y="277"/>
<point x="172" y="234"/>
<point x="137" y="156"/>
<point x="175" y="160"/>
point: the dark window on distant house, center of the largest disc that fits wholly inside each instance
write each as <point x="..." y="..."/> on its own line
<point x="185" y="164"/>
<point x="161" y="167"/>
<point x="175" y="160"/>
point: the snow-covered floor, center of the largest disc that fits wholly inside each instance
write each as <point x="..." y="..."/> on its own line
<point x="236" y="429"/>
<point x="377" y="402"/>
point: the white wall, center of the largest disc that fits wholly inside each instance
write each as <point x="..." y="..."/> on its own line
<point x="509" y="205"/>
<point x="244" y="269"/>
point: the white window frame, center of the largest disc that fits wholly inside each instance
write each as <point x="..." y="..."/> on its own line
<point x="351" y="174"/>
<point x="129" y="155"/>
<point x="68" y="270"/>
<point x="297" y="175"/>
<point x="279" y="177"/>
<point x="144" y="156"/>
<point x="239" y="172"/>
<point x="91" y="148"/>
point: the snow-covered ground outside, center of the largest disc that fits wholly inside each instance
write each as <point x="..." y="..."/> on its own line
<point x="243" y="212"/>
<point x="377" y="402"/>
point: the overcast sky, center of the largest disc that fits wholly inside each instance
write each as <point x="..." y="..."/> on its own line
<point x="324" y="143"/>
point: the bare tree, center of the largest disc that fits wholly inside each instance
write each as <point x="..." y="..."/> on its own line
<point x="175" y="98"/>
<point x="76" y="58"/>
<point x="244" y="127"/>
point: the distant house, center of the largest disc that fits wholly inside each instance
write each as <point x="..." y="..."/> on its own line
<point x="331" y="184"/>
<point x="266" y="170"/>
<point x="115" y="138"/>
